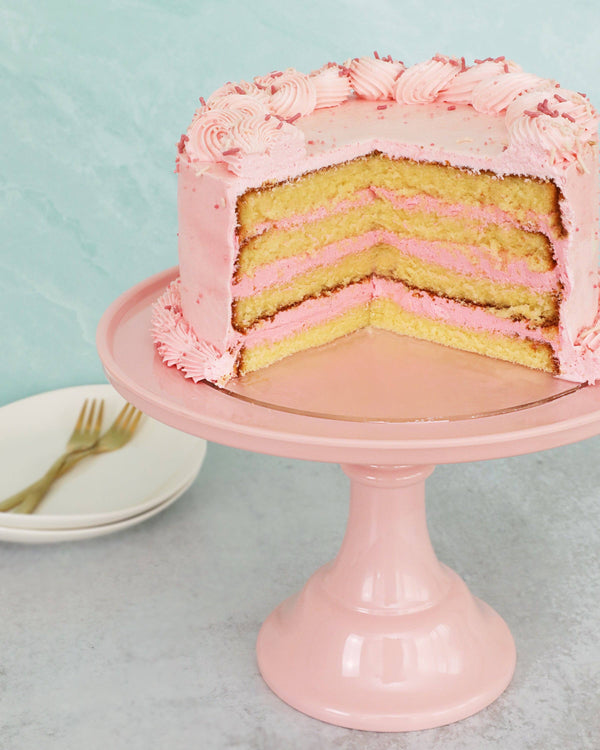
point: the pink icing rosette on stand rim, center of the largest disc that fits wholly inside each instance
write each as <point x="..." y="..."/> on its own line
<point x="179" y="346"/>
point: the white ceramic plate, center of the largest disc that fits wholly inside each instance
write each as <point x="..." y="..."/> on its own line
<point x="48" y="536"/>
<point x="100" y="490"/>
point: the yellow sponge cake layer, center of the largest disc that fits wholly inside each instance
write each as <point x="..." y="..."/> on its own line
<point x="539" y="355"/>
<point x="257" y="357"/>
<point x="516" y="195"/>
<point x="517" y="302"/>
<point x="500" y="243"/>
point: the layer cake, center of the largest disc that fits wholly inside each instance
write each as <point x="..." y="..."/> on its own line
<point x="454" y="203"/>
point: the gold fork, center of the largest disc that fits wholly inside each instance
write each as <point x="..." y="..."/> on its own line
<point x="84" y="436"/>
<point x="118" y="434"/>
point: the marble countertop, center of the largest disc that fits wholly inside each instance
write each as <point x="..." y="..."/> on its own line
<point x="145" y="639"/>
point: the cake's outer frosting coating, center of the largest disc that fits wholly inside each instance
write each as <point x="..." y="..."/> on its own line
<point x="512" y="123"/>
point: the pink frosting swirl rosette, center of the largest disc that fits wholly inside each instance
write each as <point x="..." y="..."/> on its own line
<point x="461" y="87"/>
<point x="239" y="131"/>
<point x="254" y="139"/>
<point x="578" y="109"/>
<point x="422" y="83"/>
<point x="245" y="105"/>
<point x="373" y="77"/>
<point x="290" y="92"/>
<point x="240" y="88"/>
<point x="332" y="85"/>
<point x="210" y="134"/>
<point x="493" y="95"/>
<point x="561" y="122"/>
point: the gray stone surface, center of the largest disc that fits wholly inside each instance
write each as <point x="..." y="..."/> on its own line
<point x="145" y="639"/>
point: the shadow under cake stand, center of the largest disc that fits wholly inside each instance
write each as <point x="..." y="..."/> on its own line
<point x="385" y="637"/>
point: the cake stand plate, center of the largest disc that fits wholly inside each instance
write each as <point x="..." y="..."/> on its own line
<point x="385" y="637"/>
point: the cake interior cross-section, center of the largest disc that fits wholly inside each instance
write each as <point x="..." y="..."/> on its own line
<point x="427" y="250"/>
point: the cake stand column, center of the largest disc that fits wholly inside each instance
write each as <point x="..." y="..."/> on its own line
<point x="385" y="637"/>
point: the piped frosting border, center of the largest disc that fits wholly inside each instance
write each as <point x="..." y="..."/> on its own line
<point x="178" y="345"/>
<point x="245" y="121"/>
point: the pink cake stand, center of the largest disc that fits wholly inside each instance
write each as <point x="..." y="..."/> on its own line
<point x="385" y="637"/>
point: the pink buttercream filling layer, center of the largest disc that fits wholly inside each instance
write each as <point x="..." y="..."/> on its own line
<point x="455" y="313"/>
<point x="322" y="309"/>
<point x="464" y="259"/>
<point x="420" y="202"/>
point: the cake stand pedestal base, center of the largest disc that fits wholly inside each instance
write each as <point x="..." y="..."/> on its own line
<point x="385" y="637"/>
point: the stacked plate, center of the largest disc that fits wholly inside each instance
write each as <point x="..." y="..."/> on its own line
<point x="102" y="494"/>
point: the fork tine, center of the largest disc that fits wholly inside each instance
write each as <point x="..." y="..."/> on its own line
<point x="90" y="417"/>
<point x="120" y="416"/>
<point x="81" y="417"/>
<point x="80" y="420"/>
<point x="135" y="421"/>
<point x="99" y="417"/>
<point x="127" y="420"/>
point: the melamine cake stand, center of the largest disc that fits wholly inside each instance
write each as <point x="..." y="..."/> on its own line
<point x="385" y="637"/>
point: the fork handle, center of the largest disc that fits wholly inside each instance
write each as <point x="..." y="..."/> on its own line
<point x="29" y="498"/>
<point x="42" y="485"/>
<point x="34" y="496"/>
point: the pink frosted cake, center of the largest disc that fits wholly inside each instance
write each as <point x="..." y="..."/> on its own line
<point x="454" y="203"/>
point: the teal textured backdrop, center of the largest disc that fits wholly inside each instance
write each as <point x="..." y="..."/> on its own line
<point x="96" y="94"/>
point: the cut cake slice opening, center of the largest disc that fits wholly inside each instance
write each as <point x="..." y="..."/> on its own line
<point x="412" y="234"/>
